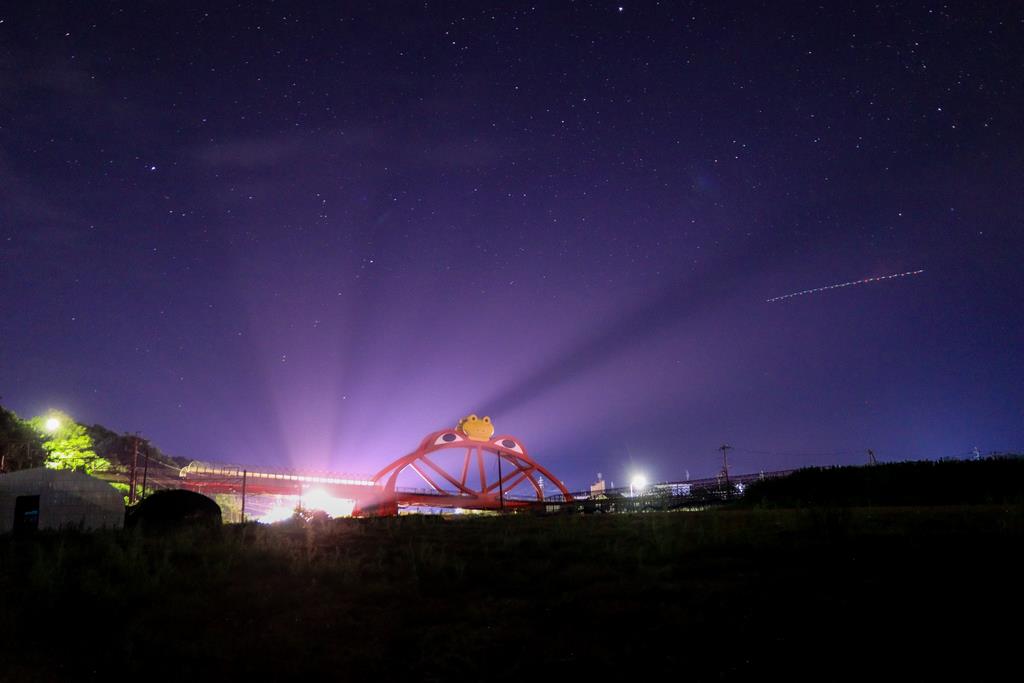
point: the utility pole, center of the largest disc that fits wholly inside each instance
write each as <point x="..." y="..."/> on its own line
<point x="245" y="474"/>
<point x="133" y="474"/>
<point x="871" y="457"/>
<point x="725" y="448"/>
<point x="145" y="472"/>
<point x="501" y="492"/>
<point x="9" y="457"/>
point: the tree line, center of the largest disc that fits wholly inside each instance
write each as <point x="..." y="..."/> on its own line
<point x="55" y="440"/>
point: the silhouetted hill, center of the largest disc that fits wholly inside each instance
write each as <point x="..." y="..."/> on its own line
<point x="20" y="447"/>
<point x="117" y="448"/>
<point x="993" y="480"/>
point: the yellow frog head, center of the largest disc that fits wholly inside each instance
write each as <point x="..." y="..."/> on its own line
<point x="477" y="429"/>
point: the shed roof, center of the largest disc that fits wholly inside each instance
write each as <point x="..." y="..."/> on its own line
<point x="39" y="479"/>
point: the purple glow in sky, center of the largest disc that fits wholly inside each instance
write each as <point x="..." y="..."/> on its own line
<point x="305" y="235"/>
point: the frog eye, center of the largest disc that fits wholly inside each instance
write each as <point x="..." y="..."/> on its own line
<point x="472" y="418"/>
<point x="508" y="445"/>
<point x="487" y="420"/>
<point x="447" y="437"/>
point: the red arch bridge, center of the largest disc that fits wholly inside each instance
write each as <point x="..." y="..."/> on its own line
<point x="457" y="472"/>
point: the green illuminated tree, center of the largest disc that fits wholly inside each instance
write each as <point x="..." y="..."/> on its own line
<point x="230" y="507"/>
<point x="67" y="444"/>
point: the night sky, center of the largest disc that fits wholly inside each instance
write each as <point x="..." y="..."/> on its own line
<point x="298" y="235"/>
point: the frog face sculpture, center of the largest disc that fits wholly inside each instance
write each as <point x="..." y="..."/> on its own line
<point x="477" y="429"/>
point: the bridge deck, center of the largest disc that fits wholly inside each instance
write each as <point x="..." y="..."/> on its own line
<point x="369" y="496"/>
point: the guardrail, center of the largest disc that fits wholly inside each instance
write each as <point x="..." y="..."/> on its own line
<point x="675" y="488"/>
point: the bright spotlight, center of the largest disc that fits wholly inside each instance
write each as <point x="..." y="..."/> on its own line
<point x="279" y="513"/>
<point x="637" y="484"/>
<point x="52" y="424"/>
<point x="318" y="499"/>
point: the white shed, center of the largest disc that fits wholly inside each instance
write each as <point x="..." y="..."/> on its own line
<point x="42" y="498"/>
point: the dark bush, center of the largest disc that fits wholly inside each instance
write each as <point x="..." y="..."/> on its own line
<point x="177" y="508"/>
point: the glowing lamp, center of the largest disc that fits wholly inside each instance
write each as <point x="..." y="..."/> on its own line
<point x="637" y="483"/>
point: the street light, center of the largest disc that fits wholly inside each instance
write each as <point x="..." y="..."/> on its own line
<point x="638" y="483"/>
<point x="52" y="424"/>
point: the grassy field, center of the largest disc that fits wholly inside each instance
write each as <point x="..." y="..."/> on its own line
<point x="822" y="594"/>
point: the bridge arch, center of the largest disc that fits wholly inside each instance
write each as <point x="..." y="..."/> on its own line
<point x="471" y="486"/>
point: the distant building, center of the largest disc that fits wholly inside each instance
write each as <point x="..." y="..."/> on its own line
<point x="42" y="498"/>
<point x="598" y="487"/>
<point x="679" y="489"/>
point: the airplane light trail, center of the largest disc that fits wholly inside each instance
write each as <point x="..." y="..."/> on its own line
<point x="845" y="284"/>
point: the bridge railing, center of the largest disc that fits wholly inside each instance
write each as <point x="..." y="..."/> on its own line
<point x="439" y="494"/>
<point x="201" y="469"/>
